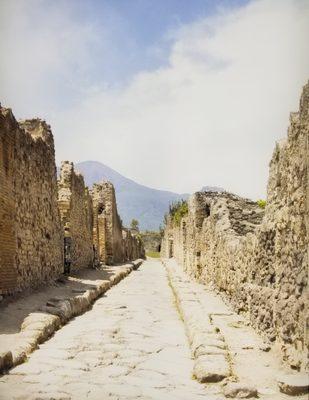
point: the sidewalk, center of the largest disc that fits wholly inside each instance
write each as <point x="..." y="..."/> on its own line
<point x="31" y="318"/>
<point x="228" y="354"/>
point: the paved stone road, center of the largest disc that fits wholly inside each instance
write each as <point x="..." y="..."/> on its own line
<point x="130" y="345"/>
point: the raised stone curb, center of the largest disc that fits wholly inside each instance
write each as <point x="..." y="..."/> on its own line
<point x="208" y="347"/>
<point x="294" y="384"/>
<point x="37" y="327"/>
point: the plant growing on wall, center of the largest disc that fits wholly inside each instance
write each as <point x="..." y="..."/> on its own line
<point x="261" y="203"/>
<point x="178" y="210"/>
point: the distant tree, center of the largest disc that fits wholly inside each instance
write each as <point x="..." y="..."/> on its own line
<point x="135" y="224"/>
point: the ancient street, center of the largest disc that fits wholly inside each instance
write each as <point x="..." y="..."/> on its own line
<point x="132" y="344"/>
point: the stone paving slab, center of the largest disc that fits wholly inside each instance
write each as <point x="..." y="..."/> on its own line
<point x="130" y="345"/>
<point x="44" y="313"/>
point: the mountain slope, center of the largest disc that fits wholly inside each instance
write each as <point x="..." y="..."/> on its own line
<point x="145" y="204"/>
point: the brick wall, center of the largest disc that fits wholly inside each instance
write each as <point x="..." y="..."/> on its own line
<point x="36" y="214"/>
<point x="75" y="205"/>
<point x="31" y="245"/>
<point x="8" y="242"/>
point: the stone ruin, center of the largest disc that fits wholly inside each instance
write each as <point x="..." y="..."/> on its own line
<point x="76" y="210"/>
<point x="256" y="258"/>
<point x="108" y="228"/>
<point x="40" y="218"/>
<point x="152" y="241"/>
<point x="31" y="236"/>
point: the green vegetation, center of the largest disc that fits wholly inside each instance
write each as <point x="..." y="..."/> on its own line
<point x="261" y="203"/>
<point x="178" y="210"/>
<point x="134" y="224"/>
<point x="153" y="254"/>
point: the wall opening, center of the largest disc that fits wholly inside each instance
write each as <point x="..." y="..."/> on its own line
<point x="170" y="249"/>
<point x="101" y="209"/>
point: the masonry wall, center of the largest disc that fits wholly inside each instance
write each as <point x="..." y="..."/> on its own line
<point x="8" y="241"/>
<point x="112" y="243"/>
<point x="133" y="245"/>
<point x="36" y="214"/>
<point x="31" y="235"/>
<point x="258" y="260"/>
<point x="75" y="205"/>
<point x="152" y="241"/>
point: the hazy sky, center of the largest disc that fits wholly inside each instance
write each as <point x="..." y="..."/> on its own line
<point x="175" y="94"/>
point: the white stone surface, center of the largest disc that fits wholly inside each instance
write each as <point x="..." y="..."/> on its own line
<point x="130" y="345"/>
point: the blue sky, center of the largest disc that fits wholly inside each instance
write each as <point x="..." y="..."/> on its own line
<point x="122" y="37"/>
<point x="175" y="94"/>
<point x="141" y="31"/>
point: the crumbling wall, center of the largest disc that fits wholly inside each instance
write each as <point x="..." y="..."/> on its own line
<point x="108" y="231"/>
<point x="112" y="242"/>
<point x="258" y="260"/>
<point x="152" y="241"/>
<point x="31" y="235"/>
<point x="75" y="205"/>
<point x="8" y="242"/>
<point x="32" y="231"/>
<point x="133" y="245"/>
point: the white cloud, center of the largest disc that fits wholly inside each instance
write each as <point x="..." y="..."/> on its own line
<point x="211" y="117"/>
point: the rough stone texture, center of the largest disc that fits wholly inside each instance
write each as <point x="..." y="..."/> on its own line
<point x="133" y="245"/>
<point x="224" y="345"/>
<point x="31" y="244"/>
<point x="208" y="348"/>
<point x="152" y="241"/>
<point x="32" y="231"/>
<point x="235" y="390"/>
<point x="112" y="243"/>
<point x="75" y="205"/>
<point x="108" y="229"/>
<point x="259" y="261"/>
<point x="130" y="345"/>
<point x="64" y="304"/>
<point x="294" y="385"/>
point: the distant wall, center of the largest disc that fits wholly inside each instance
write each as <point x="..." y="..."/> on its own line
<point x="259" y="261"/>
<point x="75" y="205"/>
<point x="133" y="245"/>
<point x="31" y="235"/>
<point x="152" y="241"/>
<point x="113" y="245"/>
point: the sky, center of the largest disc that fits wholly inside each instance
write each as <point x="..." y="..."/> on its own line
<point x="175" y="94"/>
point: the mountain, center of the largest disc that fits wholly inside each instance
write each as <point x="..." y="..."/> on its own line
<point x="137" y="201"/>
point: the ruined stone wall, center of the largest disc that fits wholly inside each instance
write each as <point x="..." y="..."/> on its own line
<point x="31" y="235"/>
<point x="133" y="245"/>
<point x="75" y="205"/>
<point x="111" y="229"/>
<point x="8" y="242"/>
<point x="151" y="240"/>
<point x="258" y="260"/>
<point x="113" y="243"/>
<point x="32" y="230"/>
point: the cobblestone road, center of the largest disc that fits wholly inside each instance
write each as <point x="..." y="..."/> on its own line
<point x="130" y="345"/>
